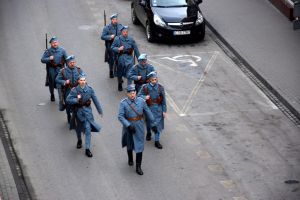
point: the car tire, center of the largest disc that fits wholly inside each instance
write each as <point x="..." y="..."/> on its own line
<point x="134" y="18"/>
<point x="149" y="33"/>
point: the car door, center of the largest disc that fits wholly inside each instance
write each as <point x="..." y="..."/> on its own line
<point x="142" y="8"/>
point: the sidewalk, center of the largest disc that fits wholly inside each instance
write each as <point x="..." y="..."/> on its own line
<point x="264" y="38"/>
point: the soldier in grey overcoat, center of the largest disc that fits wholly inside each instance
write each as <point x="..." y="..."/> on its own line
<point x="131" y="113"/>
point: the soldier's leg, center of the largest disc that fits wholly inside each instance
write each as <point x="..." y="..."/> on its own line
<point x="78" y="133"/>
<point x="61" y="105"/>
<point x="87" y="128"/>
<point x="130" y="157"/>
<point x="139" y="157"/>
<point x="129" y="80"/>
<point x="156" y="139"/>
<point x="111" y="64"/>
<point x="51" y="83"/>
<point x="120" y="81"/>
<point x="120" y="74"/>
<point x="148" y="127"/>
<point x="68" y="111"/>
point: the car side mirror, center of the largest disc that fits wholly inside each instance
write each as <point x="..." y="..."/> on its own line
<point x="142" y="3"/>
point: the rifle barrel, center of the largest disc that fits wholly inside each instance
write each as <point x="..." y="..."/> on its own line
<point x="46" y="41"/>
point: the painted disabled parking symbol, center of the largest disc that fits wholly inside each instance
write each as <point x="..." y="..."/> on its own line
<point x="190" y="60"/>
<point x="193" y="69"/>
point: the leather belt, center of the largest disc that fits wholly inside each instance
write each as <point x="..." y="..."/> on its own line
<point x="135" y="118"/>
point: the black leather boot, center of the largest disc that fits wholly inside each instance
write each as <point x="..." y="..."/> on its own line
<point x="69" y="118"/>
<point x="120" y="87"/>
<point x="52" y="98"/>
<point x="111" y="74"/>
<point x="158" y="145"/>
<point x="88" y="153"/>
<point x="79" y="144"/>
<point x="130" y="157"/>
<point x="148" y="136"/>
<point x="139" y="170"/>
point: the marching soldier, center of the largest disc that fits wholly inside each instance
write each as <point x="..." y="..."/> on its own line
<point x="108" y="35"/>
<point x="66" y="80"/>
<point x="139" y="72"/>
<point x="124" y="46"/>
<point x="154" y="94"/>
<point x="80" y="96"/>
<point x="131" y="113"/>
<point x="54" y="58"/>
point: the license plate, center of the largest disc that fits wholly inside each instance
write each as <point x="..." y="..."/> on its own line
<point x="182" y="32"/>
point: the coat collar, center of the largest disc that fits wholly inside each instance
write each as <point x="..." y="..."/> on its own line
<point x="82" y="90"/>
<point x="131" y="101"/>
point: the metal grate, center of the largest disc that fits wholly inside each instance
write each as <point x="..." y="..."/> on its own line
<point x="13" y="161"/>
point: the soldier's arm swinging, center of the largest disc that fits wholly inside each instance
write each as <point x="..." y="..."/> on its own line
<point x="121" y="116"/>
<point x="149" y="115"/>
<point x="164" y="102"/>
<point x="96" y="102"/>
<point x="136" y="50"/>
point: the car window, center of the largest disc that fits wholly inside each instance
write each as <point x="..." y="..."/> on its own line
<point x="169" y="3"/>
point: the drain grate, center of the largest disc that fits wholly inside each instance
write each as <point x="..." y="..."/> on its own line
<point x="287" y="109"/>
<point x="13" y="161"/>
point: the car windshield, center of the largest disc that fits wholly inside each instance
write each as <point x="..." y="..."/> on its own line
<point x="169" y="3"/>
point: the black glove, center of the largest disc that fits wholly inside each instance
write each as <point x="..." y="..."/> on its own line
<point x="154" y="129"/>
<point x="131" y="129"/>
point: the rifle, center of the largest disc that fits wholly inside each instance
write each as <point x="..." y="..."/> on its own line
<point x="104" y="18"/>
<point x="47" y="66"/>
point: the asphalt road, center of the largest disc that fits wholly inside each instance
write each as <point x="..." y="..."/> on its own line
<point x="223" y="139"/>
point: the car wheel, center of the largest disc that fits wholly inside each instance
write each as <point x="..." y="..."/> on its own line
<point x="134" y="19"/>
<point x="149" y="33"/>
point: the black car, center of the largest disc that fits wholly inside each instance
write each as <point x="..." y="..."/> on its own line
<point x="169" y="18"/>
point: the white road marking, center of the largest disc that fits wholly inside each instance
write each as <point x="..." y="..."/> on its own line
<point x="198" y="85"/>
<point x="179" y="59"/>
<point x="172" y="103"/>
<point x="183" y="112"/>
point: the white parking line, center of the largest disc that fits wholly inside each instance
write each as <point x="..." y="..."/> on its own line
<point x="198" y="85"/>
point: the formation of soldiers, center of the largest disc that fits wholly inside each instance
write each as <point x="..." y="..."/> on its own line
<point x="145" y="103"/>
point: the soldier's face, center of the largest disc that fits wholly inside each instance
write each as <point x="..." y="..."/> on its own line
<point x="82" y="82"/>
<point x="54" y="44"/>
<point x="153" y="80"/>
<point x="143" y="62"/>
<point x="131" y="95"/>
<point x="114" y="21"/>
<point x="125" y="33"/>
<point x="72" y="64"/>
